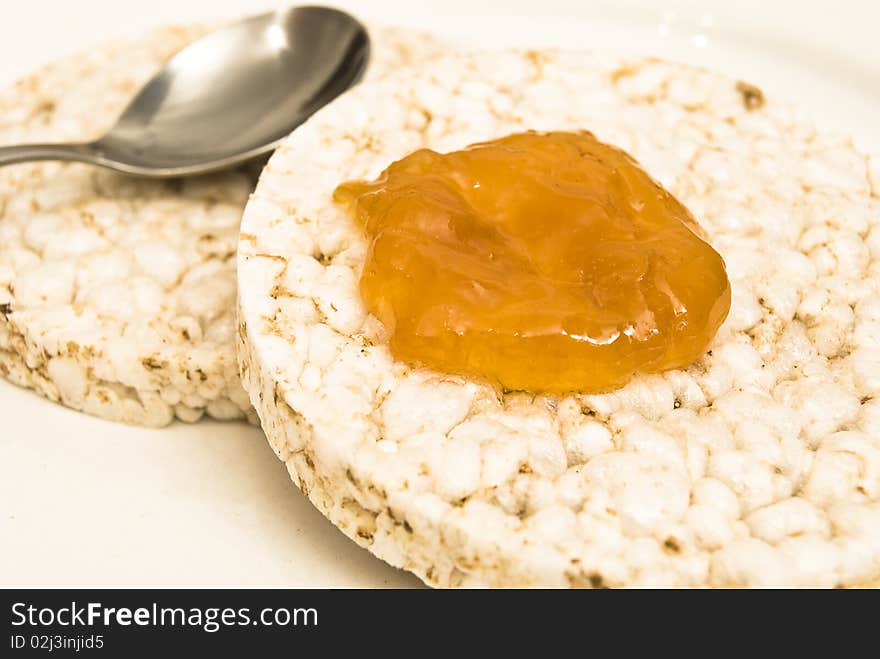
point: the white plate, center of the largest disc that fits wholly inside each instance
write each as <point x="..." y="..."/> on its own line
<point x="85" y="502"/>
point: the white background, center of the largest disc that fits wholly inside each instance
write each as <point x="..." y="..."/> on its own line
<point x="85" y="502"/>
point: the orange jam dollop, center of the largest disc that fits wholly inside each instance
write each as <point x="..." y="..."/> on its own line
<point x="546" y="262"/>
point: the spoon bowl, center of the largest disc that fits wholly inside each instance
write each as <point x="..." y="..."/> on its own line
<point x="228" y="97"/>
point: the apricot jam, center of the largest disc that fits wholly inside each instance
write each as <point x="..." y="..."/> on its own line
<point x="548" y="262"/>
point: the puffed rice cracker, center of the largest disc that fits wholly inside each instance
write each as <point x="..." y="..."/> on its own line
<point x="117" y="294"/>
<point x="759" y="465"/>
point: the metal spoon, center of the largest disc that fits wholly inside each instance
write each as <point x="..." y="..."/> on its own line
<point x="229" y="97"/>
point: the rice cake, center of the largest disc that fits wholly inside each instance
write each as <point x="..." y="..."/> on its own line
<point x="759" y="465"/>
<point x="117" y="294"/>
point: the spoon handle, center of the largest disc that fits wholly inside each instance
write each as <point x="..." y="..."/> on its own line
<point x="10" y="155"/>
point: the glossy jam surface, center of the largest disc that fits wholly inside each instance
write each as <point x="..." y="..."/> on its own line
<point x="547" y="262"/>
